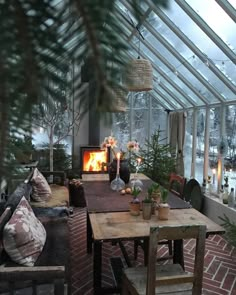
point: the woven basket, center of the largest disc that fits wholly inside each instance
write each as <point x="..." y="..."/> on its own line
<point x="139" y="75"/>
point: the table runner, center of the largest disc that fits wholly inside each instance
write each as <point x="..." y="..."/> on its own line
<point x="100" y="197"/>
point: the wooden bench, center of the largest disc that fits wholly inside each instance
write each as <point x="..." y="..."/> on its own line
<point x="51" y="270"/>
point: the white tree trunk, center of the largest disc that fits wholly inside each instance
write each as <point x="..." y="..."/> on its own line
<point x="51" y="148"/>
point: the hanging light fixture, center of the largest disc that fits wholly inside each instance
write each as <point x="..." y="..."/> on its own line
<point x="139" y="75"/>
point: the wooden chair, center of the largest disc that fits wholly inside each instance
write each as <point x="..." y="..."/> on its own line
<point x="176" y="184"/>
<point x="170" y="278"/>
<point x="193" y="194"/>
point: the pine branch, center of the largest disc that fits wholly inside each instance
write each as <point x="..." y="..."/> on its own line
<point x="230" y="228"/>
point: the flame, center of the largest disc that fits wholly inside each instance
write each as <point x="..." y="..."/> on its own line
<point x="93" y="160"/>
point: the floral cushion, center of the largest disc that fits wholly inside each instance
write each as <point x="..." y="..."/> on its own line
<point x="24" y="235"/>
<point x="41" y="190"/>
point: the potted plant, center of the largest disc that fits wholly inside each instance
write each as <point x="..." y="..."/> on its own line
<point x="135" y="203"/>
<point x="147" y="207"/>
<point x="163" y="207"/>
<point x="154" y="192"/>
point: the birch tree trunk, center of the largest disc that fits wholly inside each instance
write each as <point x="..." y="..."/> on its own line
<point x="51" y="148"/>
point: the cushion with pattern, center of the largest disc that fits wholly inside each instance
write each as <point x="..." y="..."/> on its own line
<point x="41" y="190"/>
<point x="24" y="235"/>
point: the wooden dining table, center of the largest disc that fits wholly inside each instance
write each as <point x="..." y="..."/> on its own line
<point x="108" y="220"/>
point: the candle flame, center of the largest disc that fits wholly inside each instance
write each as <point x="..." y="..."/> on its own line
<point x="214" y="171"/>
<point x="139" y="160"/>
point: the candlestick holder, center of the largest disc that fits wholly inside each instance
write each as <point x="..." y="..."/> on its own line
<point x="117" y="184"/>
<point x="136" y="182"/>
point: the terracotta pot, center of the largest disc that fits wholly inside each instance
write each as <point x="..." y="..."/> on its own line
<point x="147" y="210"/>
<point x="134" y="208"/>
<point x="163" y="211"/>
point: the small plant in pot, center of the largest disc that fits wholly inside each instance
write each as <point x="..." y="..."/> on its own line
<point x="155" y="194"/>
<point x="163" y="207"/>
<point x="135" y="203"/>
<point x="147" y="206"/>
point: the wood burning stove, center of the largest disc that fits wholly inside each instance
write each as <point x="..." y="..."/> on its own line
<point x="93" y="159"/>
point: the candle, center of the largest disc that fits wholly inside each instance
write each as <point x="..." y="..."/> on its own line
<point x="118" y="163"/>
<point x="139" y="161"/>
<point x="214" y="175"/>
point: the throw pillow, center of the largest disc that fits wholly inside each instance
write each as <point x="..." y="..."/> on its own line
<point x="41" y="190"/>
<point x="24" y="235"/>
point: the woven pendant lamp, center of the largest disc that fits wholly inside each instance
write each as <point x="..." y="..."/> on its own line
<point x="139" y="75"/>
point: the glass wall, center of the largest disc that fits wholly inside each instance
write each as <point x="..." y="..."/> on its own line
<point x="142" y="118"/>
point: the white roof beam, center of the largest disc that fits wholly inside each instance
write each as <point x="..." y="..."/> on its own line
<point x="172" y="68"/>
<point x="228" y="8"/>
<point x="166" y="77"/>
<point x="151" y="93"/>
<point x="157" y="99"/>
<point x="206" y="29"/>
<point x="182" y="60"/>
<point x="192" y="46"/>
<point x="145" y="15"/>
<point x="163" y="86"/>
<point x="156" y="90"/>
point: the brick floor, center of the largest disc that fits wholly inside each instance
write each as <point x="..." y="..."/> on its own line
<point x="219" y="266"/>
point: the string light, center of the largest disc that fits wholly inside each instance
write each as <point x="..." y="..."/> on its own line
<point x="176" y="72"/>
<point x="206" y="62"/>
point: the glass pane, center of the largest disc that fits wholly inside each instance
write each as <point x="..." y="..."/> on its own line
<point x="216" y="18"/>
<point x="120" y="128"/>
<point x="159" y="119"/>
<point x="204" y="43"/>
<point x="201" y="115"/>
<point x="230" y="159"/>
<point x="188" y="144"/>
<point x="140" y="117"/>
<point x="214" y="135"/>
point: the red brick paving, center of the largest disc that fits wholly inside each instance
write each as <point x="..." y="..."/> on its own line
<point x="219" y="266"/>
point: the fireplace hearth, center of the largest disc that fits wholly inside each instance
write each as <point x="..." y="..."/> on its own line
<point x="93" y="159"/>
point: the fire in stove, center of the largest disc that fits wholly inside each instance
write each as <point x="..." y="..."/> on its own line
<point x="93" y="160"/>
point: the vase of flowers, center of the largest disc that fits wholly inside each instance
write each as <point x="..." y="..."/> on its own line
<point x="131" y="146"/>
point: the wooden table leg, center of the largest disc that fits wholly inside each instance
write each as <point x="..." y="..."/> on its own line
<point x="178" y="256"/>
<point x="145" y="250"/>
<point x="89" y="236"/>
<point x="97" y="267"/>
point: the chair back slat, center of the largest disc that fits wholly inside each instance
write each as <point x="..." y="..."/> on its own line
<point x="197" y="232"/>
<point x="174" y="232"/>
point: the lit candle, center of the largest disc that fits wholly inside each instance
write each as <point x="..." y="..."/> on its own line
<point x="118" y="163"/>
<point x="214" y="175"/>
<point x="139" y="161"/>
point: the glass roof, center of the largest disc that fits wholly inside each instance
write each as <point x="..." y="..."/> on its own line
<point x="192" y="47"/>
